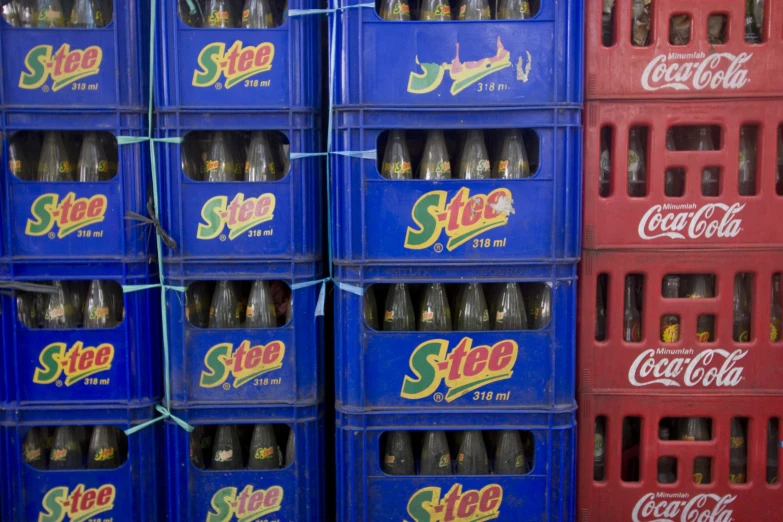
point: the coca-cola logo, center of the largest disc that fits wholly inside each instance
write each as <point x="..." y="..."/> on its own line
<point x="698" y="71"/>
<point x="711" y="367"/>
<point x="680" y="507"/>
<point x="674" y="221"/>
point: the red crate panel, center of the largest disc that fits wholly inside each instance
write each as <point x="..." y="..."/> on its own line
<point x="683" y="367"/>
<point x="693" y="220"/>
<point x="698" y="69"/>
<point x="613" y="500"/>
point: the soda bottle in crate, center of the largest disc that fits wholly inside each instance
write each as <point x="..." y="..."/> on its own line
<point x="237" y="55"/>
<point x="78" y="464"/>
<point x="246" y="339"/>
<point x="428" y="339"/>
<point x="661" y="322"/>
<point x="248" y="463"/>
<point x="452" y="192"/>
<point x="470" y="465"/>
<point x="676" y="174"/>
<point x="523" y="52"/>
<point x="77" y="338"/>
<point x="233" y="195"/>
<point x="678" y="458"/>
<point x="706" y="49"/>
<point x="69" y="185"/>
<point x="82" y="55"/>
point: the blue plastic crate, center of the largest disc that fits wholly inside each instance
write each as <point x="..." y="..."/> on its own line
<point x="246" y="366"/>
<point x="454" y="371"/>
<point x="85" y="69"/>
<point x="294" y="493"/>
<point x="239" y="69"/>
<point x="366" y="493"/>
<point x="55" y="222"/>
<point x="131" y="493"/>
<point x="289" y="223"/>
<point x="493" y="63"/>
<point x="376" y="220"/>
<point x="82" y="366"/>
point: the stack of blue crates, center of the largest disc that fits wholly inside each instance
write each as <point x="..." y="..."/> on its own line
<point x="455" y="76"/>
<point x="244" y="80"/>
<point x="78" y="81"/>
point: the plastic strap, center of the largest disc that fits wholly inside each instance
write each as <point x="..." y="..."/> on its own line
<point x="136" y="288"/>
<point x="164" y="414"/>
<point x="169" y="140"/>
<point x="358" y="290"/>
<point x="300" y="155"/>
<point x="128" y="140"/>
<point x="27" y="287"/>
<point x="363" y="154"/>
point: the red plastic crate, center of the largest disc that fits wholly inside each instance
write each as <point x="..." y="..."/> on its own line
<point x="660" y="70"/>
<point x="613" y="500"/>
<point x="693" y="220"/>
<point x="683" y="367"/>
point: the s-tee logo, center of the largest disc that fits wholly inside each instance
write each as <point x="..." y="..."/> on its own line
<point x="236" y="64"/>
<point x="70" y="214"/>
<point x="64" y="67"/>
<point x="78" y="363"/>
<point x="239" y="216"/>
<point x="244" y="364"/>
<point x="462" y="218"/>
<point x="79" y="506"/>
<point x="426" y="505"/>
<point x="247" y="506"/>
<point x="464" y="369"/>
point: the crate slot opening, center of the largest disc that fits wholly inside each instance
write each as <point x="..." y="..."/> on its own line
<point x="61" y="448"/>
<point x="456" y="452"/>
<point x="83" y="15"/>
<point x="258" y="14"/>
<point x="97" y="304"/>
<point x="236" y="447"/>
<point x="235" y="304"/>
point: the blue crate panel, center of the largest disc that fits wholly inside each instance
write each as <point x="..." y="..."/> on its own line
<point x="366" y="493"/>
<point x="447" y="64"/>
<point x="287" y="211"/>
<point x="81" y="366"/>
<point x="238" y="68"/>
<point x="194" y="494"/>
<point x="72" y="221"/>
<point x="247" y="365"/>
<point x="87" y="69"/>
<point x="418" y="371"/>
<point x="131" y="493"/>
<point x="376" y="220"/>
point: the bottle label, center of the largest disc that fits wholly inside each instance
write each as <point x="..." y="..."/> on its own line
<point x="499" y="316"/>
<point x="389" y="459"/>
<point x="443" y="167"/>
<point x="774" y="330"/>
<point x="605" y="163"/>
<point x="737" y="478"/>
<point x="236" y="65"/>
<point x="31" y="453"/>
<point x="503" y="166"/>
<point x="698" y="478"/>
<point x="99" y="313"/>
<point x="461" y="218"/>
<point x="432" y="364"/>
<point x="483" y="166"/>
<point x="218" y="17"/>
<point x="743" y="336"/>
<point x="634" y="332"/>
<point x="240" y="216"/>
<point x="671" y="333"/>
<point x="250" y="311"/>
<point x="244" y="364"/>
<point x="485" y="316"/>
<point x="388" y="316"/>
<point x="264" y="453"/>
<point x="55" y="313"/>
<point x="443" y="10"/>
<point x="598" y="447"/>
<point x="445" y="461"/>
<point x="245" y="15"/>
<point x="634" y="161"/>
<point x="427" y="316"/>
<point x="524" y="9"/>
<point x="399" y="168"/>
<point x="15" y="166"/>
<point x="736" y="442"/>
<point x="59" y="454"/>
<point x="224" y="455"/>
<point x="702" y="336"/>
<point x="520" y="461"/>
<point x="103" y="166"/>
<point x="104" y="454"/>
<point x="401" y="9"/>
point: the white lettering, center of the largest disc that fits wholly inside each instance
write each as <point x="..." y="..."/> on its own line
<point x="710" y="72"/>
<point x="654" y="224"/>
<point x="694" y="371"/>
<point x="706" y="507"/>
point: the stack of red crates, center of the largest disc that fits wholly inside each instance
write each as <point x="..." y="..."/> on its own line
<point x="638" y="386"/>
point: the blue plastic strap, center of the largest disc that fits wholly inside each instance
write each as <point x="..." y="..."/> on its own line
<point x="300" y="155"/>
<point x="306" y="12"/>
<point x="165" y="414"/>
<point x="136" y="288"/>
<point x="169" y="140"/>
<point x="358" y="290"/>
<point x="127" y="140"/>
<point x="297" y="286"/>
<point x="362" y="154"/>
<point x="319" y="307"/>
